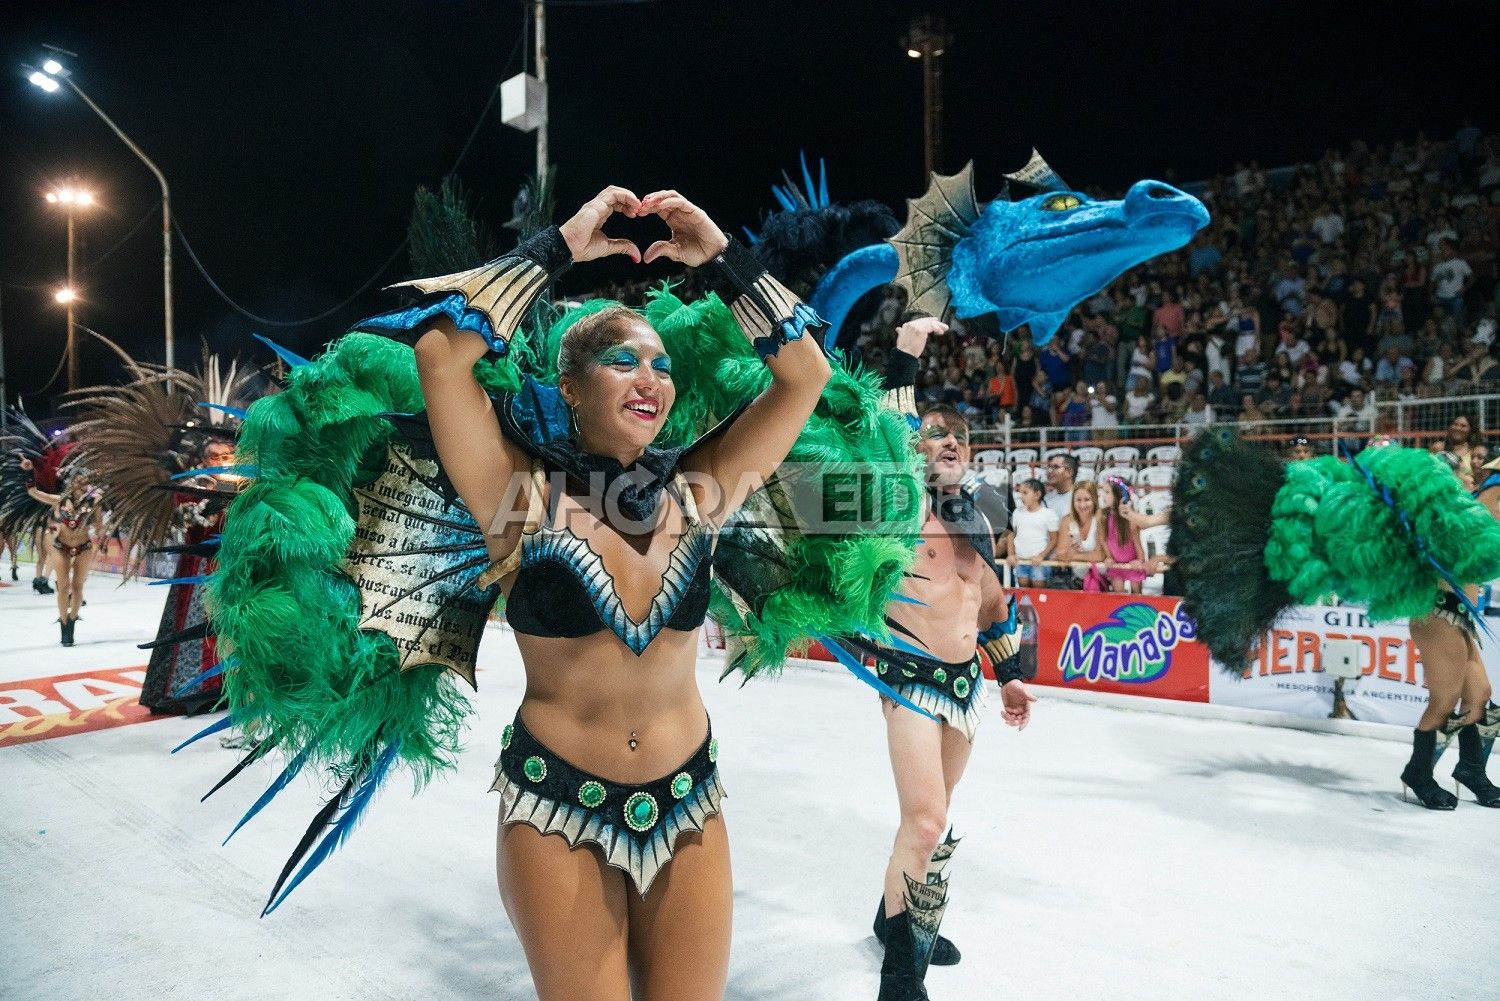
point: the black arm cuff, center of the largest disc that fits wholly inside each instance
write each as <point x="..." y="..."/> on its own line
<point x="733" y="273"/>
<point x="547" y="249"/>
<point x="900" y="370"/>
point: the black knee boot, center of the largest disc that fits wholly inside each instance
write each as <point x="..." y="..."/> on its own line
<point x="944" y="952"/>
<point x="1417" y="775"/>
<point x="899" y="979"/>
<point x="1469" y="772"/>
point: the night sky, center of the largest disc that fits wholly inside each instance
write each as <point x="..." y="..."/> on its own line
<point x="294" y="134"/>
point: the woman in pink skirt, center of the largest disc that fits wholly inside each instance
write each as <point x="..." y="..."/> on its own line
<point x="1122" y="540"/>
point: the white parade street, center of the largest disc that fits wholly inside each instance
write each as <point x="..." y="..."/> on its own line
<point x="1106" y="853"/>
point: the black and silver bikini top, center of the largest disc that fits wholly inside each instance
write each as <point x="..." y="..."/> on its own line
<point x="563" y="590"/>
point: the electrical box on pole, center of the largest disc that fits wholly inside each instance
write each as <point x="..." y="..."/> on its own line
<point x="523" y="102"/>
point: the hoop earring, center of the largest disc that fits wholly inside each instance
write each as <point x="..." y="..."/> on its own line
<point x="573" y="420"/>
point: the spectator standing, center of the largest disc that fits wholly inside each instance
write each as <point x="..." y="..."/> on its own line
<point x="1451" y="278"/>
<point x="1055" y="362"/>
<point x="1199" y="414"/>
<point x="1033" y="536"/>
<point x="1122" y="540"/>
<point x="1105" y="414"/>
<point x="1078" y="537"/>
<point x="1138" y="401"/>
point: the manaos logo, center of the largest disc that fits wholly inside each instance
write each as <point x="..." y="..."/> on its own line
<point x="1133" y="646"/>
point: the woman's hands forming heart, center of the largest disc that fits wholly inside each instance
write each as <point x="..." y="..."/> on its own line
<point x="695" y="239"/>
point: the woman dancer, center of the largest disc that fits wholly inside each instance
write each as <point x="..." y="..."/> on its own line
<point x="10" y="543"/>
<point x="77" y="522"/>
<point x="1122" y="540"/>
<point x="612" y="720"/>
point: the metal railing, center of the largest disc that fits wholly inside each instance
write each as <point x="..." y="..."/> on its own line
<point x="1410" y="422"/>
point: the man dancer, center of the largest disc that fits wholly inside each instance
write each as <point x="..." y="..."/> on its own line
<point x="955" y="606"/>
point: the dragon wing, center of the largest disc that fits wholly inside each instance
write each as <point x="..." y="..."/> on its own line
<point x="924" y="246"/>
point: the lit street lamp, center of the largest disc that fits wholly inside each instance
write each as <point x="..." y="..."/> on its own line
<point x="926" y="40"/>
<point x="49" y="78"/>
<point x="71" y="199"/>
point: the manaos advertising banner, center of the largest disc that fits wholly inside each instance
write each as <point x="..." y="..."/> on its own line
<point x="1128" y="644"/>
<point x="1286" y="674"/>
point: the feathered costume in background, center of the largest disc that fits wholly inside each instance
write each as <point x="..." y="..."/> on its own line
<point x="20" y="513"/>
<point x="140" y="442"/>
<point x="343" y="636"/>
<point x="1251" y="536"/>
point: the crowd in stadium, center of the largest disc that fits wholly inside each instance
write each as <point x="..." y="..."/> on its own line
<point x="1370" y="273"/>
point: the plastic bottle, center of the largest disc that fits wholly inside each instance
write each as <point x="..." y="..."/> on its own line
<point x="1029" y="626"/>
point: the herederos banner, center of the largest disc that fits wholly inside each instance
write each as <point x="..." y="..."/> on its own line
<point x="1286" y="673"/>
<point x="1129" y="644"/>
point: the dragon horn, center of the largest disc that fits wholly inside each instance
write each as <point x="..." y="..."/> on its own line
<point x="1037" y="174"/>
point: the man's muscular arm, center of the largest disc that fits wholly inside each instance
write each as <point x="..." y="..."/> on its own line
<point x="999" y="639"/>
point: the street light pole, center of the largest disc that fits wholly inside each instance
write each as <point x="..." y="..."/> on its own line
<point x="72" y="348"/>
<point x="54" y="73"/>
<point x="926" y="40"/>
<point x="541" y="76"/>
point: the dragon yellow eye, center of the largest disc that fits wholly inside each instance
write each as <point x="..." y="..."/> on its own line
<point x="1062" y="203"/>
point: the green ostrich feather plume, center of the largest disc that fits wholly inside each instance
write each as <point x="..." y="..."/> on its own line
<point x="305" y="675"/>
<point x="1335" y="534"/>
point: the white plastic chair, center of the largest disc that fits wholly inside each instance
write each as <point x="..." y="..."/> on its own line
<point x="1157" y="476"/>
<point x="1122" y="455"/>
<point x="1022" y="456"/>
<point x="1086" y="473"/>
<point x="1163" y="454"/>
<point x="1089" y="455"/>
<point x="987" y="457"/>
<point x="1126" y="473"/>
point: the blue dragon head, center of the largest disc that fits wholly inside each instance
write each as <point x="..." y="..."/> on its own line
<point x="1032" y="261"/>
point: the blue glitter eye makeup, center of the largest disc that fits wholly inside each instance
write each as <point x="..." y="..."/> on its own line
<point x="619" y="356"/>
<point x="662" y="363"/>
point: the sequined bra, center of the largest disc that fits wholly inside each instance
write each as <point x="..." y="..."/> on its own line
<point x="562" y="588"/>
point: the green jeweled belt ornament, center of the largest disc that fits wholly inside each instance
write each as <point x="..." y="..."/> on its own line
<point x="591" y="794"/>
<point x="682" y="784"/>
<point x="940" y="675"/>
<point x="506" y="735"/>
<point x="713" y="749"/>
<point x="961" y="687"/>
<point x="974" y="670"/>
<point x="641" y="811"/>
<point x="535" y="768"/>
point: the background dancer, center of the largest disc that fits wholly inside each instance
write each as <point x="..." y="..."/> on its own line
<point x="1391" y="528"/>
<point x="953" y="607"/>
<point x="77" y="528"/>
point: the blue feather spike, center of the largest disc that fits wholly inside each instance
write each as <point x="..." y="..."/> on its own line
<point x="221" y="408"/>
<point x="200" y="579"/>
<point x="907" y="599"/>
<point x="208" y="731"/>
<point x="344" y="826"/>
<point x="227" y="664"/>
<point x="807" y="181"/>
<point x="290" y="357"/>
<point x="293" y="768"/>
<point x="750" y="235"/>
<point x="822" y="184"/>
<point x="241" y="469"/>
<point x="788" y="204"/>
<point x="868" y="676"/>
<point x="900" y="644"/>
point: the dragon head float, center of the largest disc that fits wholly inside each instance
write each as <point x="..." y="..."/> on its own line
<point x="1028" y="261"/>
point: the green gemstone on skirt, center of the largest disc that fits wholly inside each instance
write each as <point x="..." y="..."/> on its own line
<point x="591" y="794"/>
<point x="640" y="811"/>
<point x="974" y="670"/>
<point x="940" y="675"/>
<point x="682" y="784"/>
<point x="879" y="668"/>
<point x="961" y="687"/>
<point x="908" y="672"/>
<point x="713" y="749"/>
<point x="506" y="735"/>
<point x="535" y="768"/>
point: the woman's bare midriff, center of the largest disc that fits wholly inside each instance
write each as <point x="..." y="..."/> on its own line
<point x="586" y="696"/>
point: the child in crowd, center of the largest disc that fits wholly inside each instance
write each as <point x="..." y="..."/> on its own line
<point x="1033" y="536"/>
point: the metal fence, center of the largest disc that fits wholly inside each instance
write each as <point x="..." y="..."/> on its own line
<point x="1409" y="422"/>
